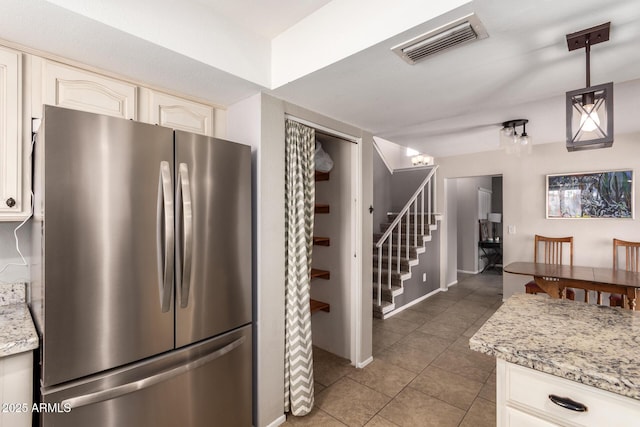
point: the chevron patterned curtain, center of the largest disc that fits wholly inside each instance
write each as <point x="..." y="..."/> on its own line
<point x="299" y="212"/>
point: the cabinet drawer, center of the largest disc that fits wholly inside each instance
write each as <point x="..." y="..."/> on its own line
<point x="529" y="390"/>
<point x="518" y="418"/>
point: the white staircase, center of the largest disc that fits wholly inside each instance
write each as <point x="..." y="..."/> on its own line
<point x="399" y="243"/>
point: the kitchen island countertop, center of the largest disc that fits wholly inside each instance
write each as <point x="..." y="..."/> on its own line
<point x="595" y="345"/>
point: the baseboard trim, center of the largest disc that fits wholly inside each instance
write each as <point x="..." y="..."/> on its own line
<point x="469" y="272"/>
<point x="280" y="420"/>
<point x="455" y="282"/>
<point x="364" y="363"/>
<point x="409" y="304"/>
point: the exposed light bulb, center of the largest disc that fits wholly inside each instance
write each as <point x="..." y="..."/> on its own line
<point x="589" y="121"/>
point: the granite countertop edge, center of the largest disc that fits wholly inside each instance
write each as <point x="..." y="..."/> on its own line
<point x="550" y="360"/>
<point x="17" y="331"/>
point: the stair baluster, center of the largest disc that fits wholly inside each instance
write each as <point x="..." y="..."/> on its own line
<point x="396" y="226"/>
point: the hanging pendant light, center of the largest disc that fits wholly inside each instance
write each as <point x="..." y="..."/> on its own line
<point x="589" y="110"/>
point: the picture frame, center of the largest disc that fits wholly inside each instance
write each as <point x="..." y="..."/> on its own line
<point x="601" y="194"/>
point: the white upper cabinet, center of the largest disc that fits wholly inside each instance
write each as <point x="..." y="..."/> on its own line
<point x="13" y="204"/>
<point x="78" y="89"/>
<point x="176" y="113"/>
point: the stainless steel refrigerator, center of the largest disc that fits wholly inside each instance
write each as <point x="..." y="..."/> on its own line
<point x="141" y="281"/>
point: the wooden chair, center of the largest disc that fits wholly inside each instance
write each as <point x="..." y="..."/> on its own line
<point x="632" y="263"/>
<point x="553" y="254"/>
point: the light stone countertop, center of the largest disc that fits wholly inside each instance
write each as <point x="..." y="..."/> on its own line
<point x="17" y="331"/>
<point x="595" y="345"/>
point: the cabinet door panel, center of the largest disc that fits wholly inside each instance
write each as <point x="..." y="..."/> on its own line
<point x="11" y="203"/>
<point x="82" y="90"/>
<point x="176" y="113"/>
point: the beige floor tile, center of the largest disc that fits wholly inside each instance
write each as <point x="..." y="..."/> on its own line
<point x="383" y="338"/>
<point x="415" y="316"/>
<point x="481" y="414"/>
<point x="317" y="417"/>
<point x="454" y="389"/>
<point x="488" y="391"/>
<point x="329" y="368"/>
<point x="426" y="342"/>
<point x="399" y="326"/>
<point x="407" y="357"/>
<point x="443" y="330"/>
<point x="468" y="363"/>
<point x="414" y="408"/>
<point x="351" y="402"/>
<point x="383" y="377"/>
<point x="378" y="421"/>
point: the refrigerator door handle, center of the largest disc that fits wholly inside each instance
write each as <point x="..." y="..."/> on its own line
<point x="165" y="236"/>
<point x="115" y="392"/>
<point x="184" y="242"/>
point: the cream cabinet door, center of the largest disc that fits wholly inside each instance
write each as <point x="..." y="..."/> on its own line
<point x="176" y="113"/>
<point x="12" y="205"/>
<point x="79" y="89"/>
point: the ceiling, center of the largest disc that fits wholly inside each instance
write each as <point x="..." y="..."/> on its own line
<point x="334" y="57"/>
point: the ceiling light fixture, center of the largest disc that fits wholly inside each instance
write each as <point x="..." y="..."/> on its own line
<point x="513" y="143"/>
<point x="589" y="110"/>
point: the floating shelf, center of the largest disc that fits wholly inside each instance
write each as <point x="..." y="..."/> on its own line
<point x="321" y="241"/>
<point x="321" y="209"/>
<point x="319" y="306"/>
<point x="320" y="274"/>
<point x="322" y="176"/>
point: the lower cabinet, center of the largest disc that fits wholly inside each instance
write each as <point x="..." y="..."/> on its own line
<point x="526" y="397"/>
<point x="16" y="382"/>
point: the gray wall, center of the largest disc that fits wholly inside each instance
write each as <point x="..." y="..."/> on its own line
<point x="381" y="191"/>
<point x="390" y="193"/>
<point x="417" y="286"/>
<point x="467" y="217"/>
<point x="496" y="201"/>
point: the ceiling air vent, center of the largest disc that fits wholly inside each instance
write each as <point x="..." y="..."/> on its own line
<point x="460" y="31"/>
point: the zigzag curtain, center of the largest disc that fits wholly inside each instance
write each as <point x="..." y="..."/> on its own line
<point x="299" y="214"/>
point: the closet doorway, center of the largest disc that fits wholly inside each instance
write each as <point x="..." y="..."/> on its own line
<point x="337" y="236"/>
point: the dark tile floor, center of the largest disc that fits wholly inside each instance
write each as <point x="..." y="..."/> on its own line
<point x="423" y="373"/>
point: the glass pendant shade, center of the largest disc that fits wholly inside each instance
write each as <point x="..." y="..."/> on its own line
<point x="590" y="117"/>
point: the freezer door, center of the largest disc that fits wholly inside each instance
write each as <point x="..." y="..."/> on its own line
<point x="204" y="385"/>
<point x="213" y="236"/>
<point x="107" y="242"/>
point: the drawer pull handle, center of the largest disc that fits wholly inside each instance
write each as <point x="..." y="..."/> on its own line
<point x="567" y="403"/>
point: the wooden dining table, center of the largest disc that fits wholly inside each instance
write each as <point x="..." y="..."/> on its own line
<point x="597" y="279"/>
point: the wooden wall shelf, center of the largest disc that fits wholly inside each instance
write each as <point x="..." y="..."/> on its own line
<point x="321" y="241"/>
<point x="320" y="274"/>
<point x="322" y="176"/>
<point x="315" y="305"/>
<point x="321" y="209"/>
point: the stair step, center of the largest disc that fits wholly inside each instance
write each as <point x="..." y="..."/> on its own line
<point x="421" y="237"/>
<point x="412" y="228"/>
<point x="387" y="294"/>
<point x="404" y="262"/>
<point x="396" y="279"/>
<point x="380" y="310"/>
<point x="413" y="250"/>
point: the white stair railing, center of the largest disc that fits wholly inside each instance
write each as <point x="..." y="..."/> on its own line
<point x="428" y="186"/>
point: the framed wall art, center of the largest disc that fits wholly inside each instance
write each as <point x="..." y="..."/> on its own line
<point x="608" y="194"/>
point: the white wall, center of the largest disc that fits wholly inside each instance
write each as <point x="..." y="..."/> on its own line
<point x="9" y="255"/>
<point x="268" y="114"/>
<point x="451" y="224"/>
<point x="524" y="200"/>
<point x="332" y="331"/>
